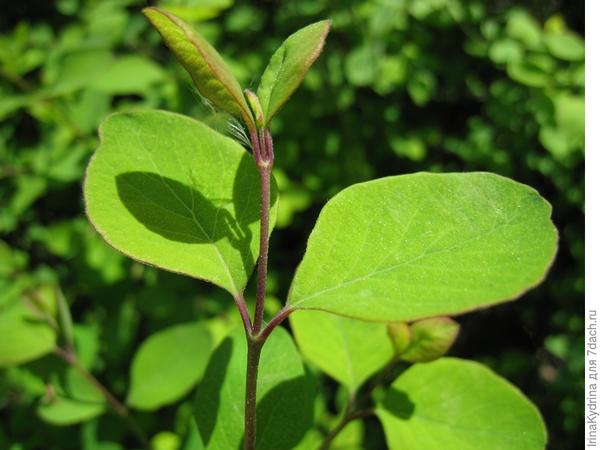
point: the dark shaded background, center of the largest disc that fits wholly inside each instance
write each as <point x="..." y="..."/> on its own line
<point x="402" y="86"/>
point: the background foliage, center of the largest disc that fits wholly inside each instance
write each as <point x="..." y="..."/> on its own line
<point x="403" y="86"/>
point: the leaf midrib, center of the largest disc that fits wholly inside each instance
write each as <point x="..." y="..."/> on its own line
<point x="423" y="255"/>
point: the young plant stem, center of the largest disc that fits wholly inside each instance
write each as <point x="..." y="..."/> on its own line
<point x="262" y="147"/>
<point x="264" y="161"/>
<point x="349" y="416"/>
<point x="254" y="349"/>
<point x="279" y="317"/>
<point x="242" y="307"/>
<point x="119" y="408"/>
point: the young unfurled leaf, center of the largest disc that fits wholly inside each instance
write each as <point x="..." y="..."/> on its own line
<point x="348" y="350"/>
<point x="458" y="405"/>
<point x="171" y="192"/>
<point x="288" y="66"/>
<point x="430" y="339"/>
<point x="285" y="395"/>
<point x="210" y="73"/>
<point x="423" y="245"/>
<point x="168" y="364"/>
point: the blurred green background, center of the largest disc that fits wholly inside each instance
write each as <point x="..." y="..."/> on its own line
<point x="402" y="86"/>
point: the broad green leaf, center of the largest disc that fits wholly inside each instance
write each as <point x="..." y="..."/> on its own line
<point x="25" y="335"/>
<point x="422" y="245"/>
<point x="289" y="65"/>
<point x="168" y="191"/>
<point x="285" y="395"/>
<point x="168" y="364"/>
<point x="72" y="400"/>
<point x="430" y="339"/>
<point x="210" y="73"/>
<point x="348" y="350"/>
<point x="458" y="404"/>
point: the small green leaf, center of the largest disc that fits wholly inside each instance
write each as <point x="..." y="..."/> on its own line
<point x="458" y="405"/>
<point x="424" y="245"/>
<point x="210" y="73"/>
<point x="289" y="65"/>
<point x="565" y="45"/>
<point x="168" y="364"/>
<point x="348" y="350"/>
<point x="285" y="395"/>
<point x="72" y="399"/>
<point x="168" y="191"/>
<point x="430" y="339"/>
<point x="25" y="336"/>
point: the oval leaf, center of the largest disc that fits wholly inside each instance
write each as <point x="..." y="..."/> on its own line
<point x="210" y="73"/>
<point x="73" y="400"/>
<point x="168" y="364"/>
<point x="289" y="65"/>
<point x="25" y="335"/>
<point x="458" y="404"/>
<point x="285" y="395"/>
<point x="422" y="245"/>
<point x="348" y="350"/>
<point x="168" y="191"/>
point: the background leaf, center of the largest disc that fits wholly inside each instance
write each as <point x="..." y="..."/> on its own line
<point x="25" y="335"/>
<point x="72" y="400"/>
<point x="168" y="364"/>
<point x="171" y="192"/>
<point x="424" y="245"/>
<point x="285" y="395"/>
<point x="289" y="65"/>
<point x="348" y="350"/>
<point x="458" y="404"/>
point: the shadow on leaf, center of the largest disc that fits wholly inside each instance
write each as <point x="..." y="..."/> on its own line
<point x="285" y="414"/>
<point x="209" y="390"/>
<point x="399" y="404"/>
